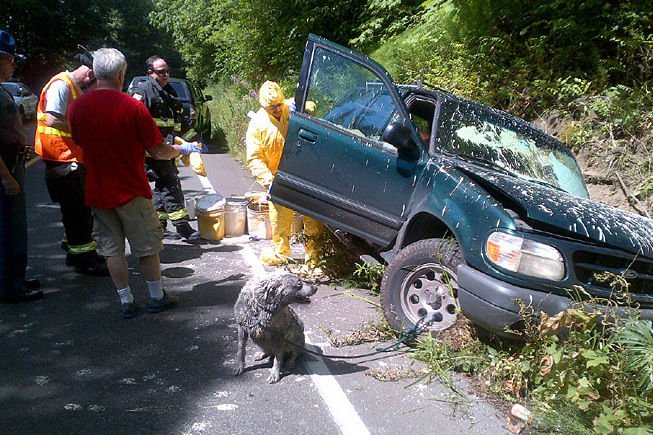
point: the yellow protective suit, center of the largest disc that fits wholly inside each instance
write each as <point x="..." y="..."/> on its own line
<point x="264" y="139"/>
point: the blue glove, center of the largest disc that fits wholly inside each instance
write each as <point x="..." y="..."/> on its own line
<point x="188" y="148"/>
<point x="205" y="148"/>
<point x="292" y="107"/>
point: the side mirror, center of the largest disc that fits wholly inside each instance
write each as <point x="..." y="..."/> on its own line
<point x="208" y="98"/>
<point x="401" y="137"/>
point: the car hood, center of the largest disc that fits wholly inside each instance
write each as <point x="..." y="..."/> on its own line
<point x="588" y="219"/>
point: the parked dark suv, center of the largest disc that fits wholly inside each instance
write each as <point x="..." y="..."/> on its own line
<point x="471" y="207"/>
<point x="196" y="112"/>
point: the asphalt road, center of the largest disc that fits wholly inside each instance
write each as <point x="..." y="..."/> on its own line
<point x="70" y="364"/>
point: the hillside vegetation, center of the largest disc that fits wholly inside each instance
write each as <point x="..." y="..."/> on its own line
<point x="581" y="70"/>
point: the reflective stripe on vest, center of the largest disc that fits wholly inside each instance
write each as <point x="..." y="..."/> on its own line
<point x="189" y="135"/>
<point x="50" y="142"/>
<point x="165" y="122"/>
<point x="52" y="131"/>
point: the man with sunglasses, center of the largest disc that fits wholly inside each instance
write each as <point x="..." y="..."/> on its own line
<point x="13" y="218"/>
<point x="65" y="173"/>
<point x="165" y="107"/>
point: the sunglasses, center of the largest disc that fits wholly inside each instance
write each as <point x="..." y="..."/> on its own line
<point x="275" y="106"/>
<point x="162" y="71"/>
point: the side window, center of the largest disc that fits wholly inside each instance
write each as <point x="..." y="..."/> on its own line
<point x="349" y="95"/>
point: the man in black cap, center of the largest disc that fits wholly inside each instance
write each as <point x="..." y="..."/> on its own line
<point x="64" y="168"/>
<point x="13" y="218"/>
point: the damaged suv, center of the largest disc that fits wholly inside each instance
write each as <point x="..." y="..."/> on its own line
<point x="472" y="208"/>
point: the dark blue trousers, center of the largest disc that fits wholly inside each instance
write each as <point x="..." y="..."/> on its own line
<point x="13" y="238"/>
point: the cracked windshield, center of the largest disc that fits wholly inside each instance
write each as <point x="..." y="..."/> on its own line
<point x="515" y="149"/>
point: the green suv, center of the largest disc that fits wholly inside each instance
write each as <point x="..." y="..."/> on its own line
<point x="471" y="207"/>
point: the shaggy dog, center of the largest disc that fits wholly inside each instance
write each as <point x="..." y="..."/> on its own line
<point x="263" y="313"/>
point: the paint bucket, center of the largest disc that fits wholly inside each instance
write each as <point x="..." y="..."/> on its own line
<point x="235" y="215"/>
<point x="210" y="216"/>
<point x="258" y="218"/>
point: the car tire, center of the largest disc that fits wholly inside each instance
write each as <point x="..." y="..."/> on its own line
<point x="421" y="282"/>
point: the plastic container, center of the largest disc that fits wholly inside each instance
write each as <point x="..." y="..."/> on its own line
<point x="235" y="215"/>
<point x="209" y="210"/>
<point x="258" y="219"/>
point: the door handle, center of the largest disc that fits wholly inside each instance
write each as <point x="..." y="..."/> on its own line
<point x="308" y="136"/>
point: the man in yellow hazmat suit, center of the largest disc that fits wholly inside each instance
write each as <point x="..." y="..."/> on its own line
<point x="265" y="137"/>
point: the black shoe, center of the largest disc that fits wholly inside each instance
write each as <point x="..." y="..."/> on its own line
<point x="169" y="235"/>
<point x="31" y="284"/>
<point x="26" y="296"/>
<point x="187" y="232"/>
<point x="87" y="264"/>
<point x="129" y="310"/>
<point x="165" y="303"/>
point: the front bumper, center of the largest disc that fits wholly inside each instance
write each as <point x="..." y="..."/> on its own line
<point x="489" y="302"/>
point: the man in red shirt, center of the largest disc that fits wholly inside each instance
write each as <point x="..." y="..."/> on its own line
<point x="114" y="131"/>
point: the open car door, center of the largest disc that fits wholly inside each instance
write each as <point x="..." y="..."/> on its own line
<point x="337" y="165"/>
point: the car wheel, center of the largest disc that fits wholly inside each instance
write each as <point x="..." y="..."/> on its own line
<point x="421" y="282"/>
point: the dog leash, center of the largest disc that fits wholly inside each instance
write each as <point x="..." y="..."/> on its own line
<point x="409" y="334"/>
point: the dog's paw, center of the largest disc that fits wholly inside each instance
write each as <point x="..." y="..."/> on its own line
<point x="274" y="377"/>
<point x="239" y="370"/>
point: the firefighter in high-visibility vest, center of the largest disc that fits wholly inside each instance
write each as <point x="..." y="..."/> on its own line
<point x="165" y="107"/>
<point x="64" y="168"/>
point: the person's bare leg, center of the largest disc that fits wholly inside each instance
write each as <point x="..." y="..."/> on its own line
<point x="150" y="267"/>
<point x="119" y="271"/>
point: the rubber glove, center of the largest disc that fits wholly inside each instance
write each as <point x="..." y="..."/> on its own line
<point x="189" y="147"/>
<point x="292" y="106"/>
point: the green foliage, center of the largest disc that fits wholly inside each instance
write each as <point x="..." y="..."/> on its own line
<point x="232" y="99"/>
<point x="580" y="372"/>
<point x="252" y="39"/>
<point x="48" y="32"/>
<point x="367" y="276"/>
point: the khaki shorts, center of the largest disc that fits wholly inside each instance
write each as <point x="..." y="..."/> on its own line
<point x="137" y="221"/>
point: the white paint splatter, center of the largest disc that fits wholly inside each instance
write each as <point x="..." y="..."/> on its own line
<point x="127" y="381"/>
<point x="41" y="380"/>
<point x="72" y="407"/>
<point x="227" y="407"/>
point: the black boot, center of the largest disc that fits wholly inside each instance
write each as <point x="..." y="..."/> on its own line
<point x="168" y="234"/>
<point x="87" y="264"/>
<point x="187" y="232"/>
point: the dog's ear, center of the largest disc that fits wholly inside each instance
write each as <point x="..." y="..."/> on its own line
<point x="270" y="286"/>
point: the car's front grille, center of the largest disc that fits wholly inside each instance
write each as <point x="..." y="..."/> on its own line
<point x="611" y="275"/>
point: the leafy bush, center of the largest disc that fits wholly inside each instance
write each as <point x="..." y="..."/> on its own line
<point x="580" y="371"/>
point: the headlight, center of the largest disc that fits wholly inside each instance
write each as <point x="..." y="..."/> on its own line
<point x="521" y="255"/>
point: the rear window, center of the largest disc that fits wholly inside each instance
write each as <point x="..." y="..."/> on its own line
<point x="13" y="89"/>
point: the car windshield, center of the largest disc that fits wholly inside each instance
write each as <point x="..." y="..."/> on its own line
<point x="511" y="146"/>
<point x="12" y="88"/>
<point x="181" y="90"/>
